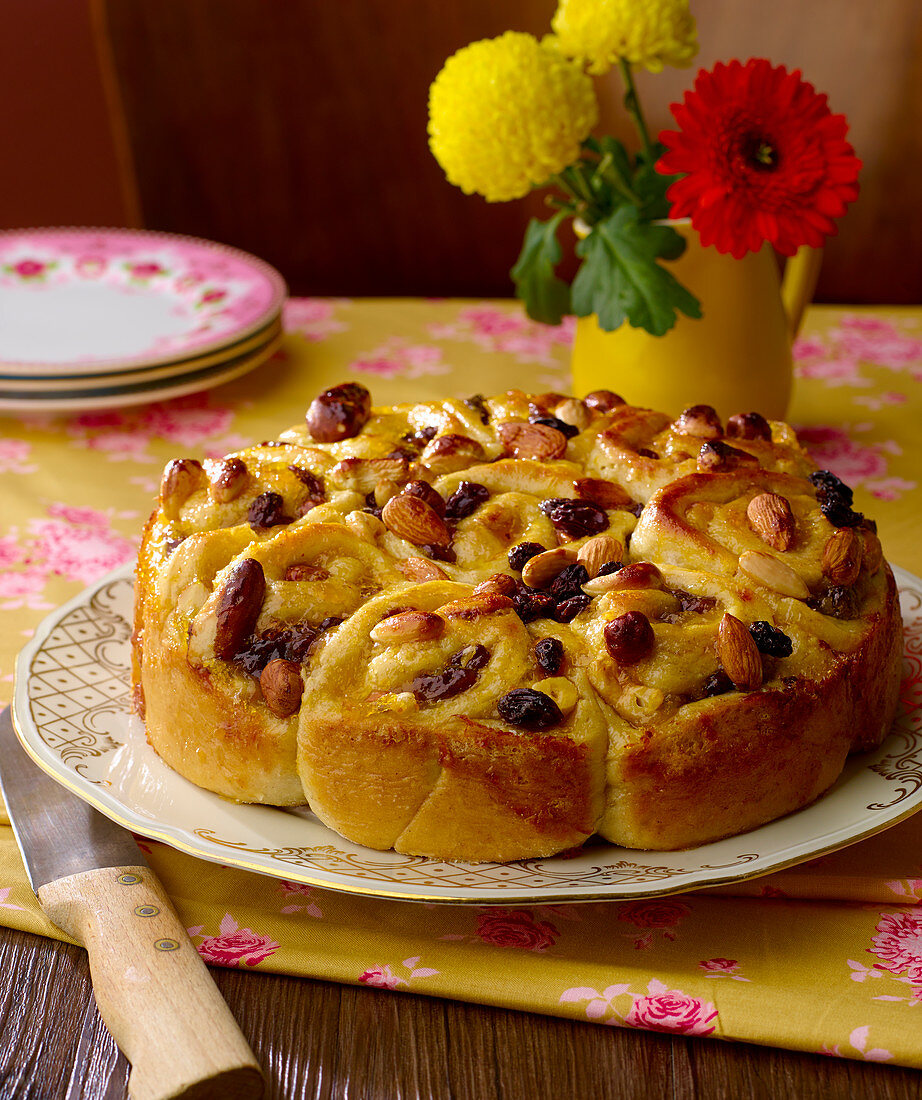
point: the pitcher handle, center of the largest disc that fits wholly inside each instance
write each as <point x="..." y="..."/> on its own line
<point x="800" y="275"/>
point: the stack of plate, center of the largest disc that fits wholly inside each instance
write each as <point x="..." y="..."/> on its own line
<point x="98" y="318"/>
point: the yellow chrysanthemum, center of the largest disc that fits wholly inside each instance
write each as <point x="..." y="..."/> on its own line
<point x="506" y="113"/>
<point x="642" y="32"/>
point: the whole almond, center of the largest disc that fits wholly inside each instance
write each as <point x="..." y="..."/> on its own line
<point x="773" y="574"/>
<point x="228" y="480"/>
<point x="238" y="606"/>
<point x="500" y="584"/>
<point x="640" y="574"/>
<point x="538" y="441"/>
<point x="597" y="551"/>
<point x="446" y="454"/>
<point x="598" y="586"/>
<point x="842" y="556"/>
<point x="419" y="569"/>
<point x="408" y="626"/>
<point x="425" y="491"/>
<point x="738" y="653"/>
<point x="180" y="479"/>
<point x="873" y="552"/>
<point x="715" y="455"/>
<point x="603" y="493"/>
<point x="701" y="421"/>
<point x="282" y="688"/>
<point x="539" y="571"/>
<point x="603" y="400"/>
<point x="573" y="412"/>
<point x="411" y="518"/>
<point x="771" y="518"/>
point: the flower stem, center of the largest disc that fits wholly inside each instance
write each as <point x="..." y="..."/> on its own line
<point x="607" y="170"/>
<point x="632" y="106"/>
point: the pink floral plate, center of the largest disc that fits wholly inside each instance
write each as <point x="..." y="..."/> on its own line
<point x="83" y="301"/>
<point x="71" y="711"/>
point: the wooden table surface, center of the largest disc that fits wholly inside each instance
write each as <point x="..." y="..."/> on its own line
<point x="320" y="1040"/>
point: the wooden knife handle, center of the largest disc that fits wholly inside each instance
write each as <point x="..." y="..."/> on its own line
<point x="153" y="990"/>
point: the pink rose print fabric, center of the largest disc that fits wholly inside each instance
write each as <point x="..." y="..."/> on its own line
<point x="384" y="977"/>
<point x="659" y="1008"/>
<point x="516" y="928"/>
<point x="234" y="946"/>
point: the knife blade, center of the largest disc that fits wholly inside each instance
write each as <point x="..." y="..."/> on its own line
<point x="152" y="988"/>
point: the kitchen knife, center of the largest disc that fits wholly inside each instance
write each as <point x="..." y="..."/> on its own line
<point x="153" y="990"/>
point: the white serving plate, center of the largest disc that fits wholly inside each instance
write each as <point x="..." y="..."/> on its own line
<point x="71" y="711"/>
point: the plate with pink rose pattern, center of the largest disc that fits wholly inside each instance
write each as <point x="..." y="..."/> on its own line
<point x="72" y="712"/>
<point x="83" y="301"/>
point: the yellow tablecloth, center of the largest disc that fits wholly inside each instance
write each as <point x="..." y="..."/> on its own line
<point x="823" y="957"/>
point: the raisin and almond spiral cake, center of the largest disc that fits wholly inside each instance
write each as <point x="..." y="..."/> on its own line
<point x="487" y="629"/>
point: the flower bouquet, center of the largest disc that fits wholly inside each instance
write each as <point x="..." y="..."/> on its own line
<point x="757" y="156"/>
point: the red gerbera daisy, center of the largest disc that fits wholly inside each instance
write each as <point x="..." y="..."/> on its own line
<point x="763" y="159"/>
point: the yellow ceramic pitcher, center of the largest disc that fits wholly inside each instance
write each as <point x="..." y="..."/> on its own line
<point x="737" y="357"/>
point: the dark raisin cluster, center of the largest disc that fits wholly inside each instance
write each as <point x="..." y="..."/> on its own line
<point x="835" y="499"/>
<point x="529" y="709"/>
<point x="477" y="402"/>
<point x="523" y="553"/>
<point x="575" y="518"/>
<point x="458" y="675"/>
<point x="718" y="683"/>
<point x="267" y="510"/>
<point x="292" y="643"/>
<point x="465" y="500"/>
<point x="770" y="640"/>
<point x="838" y="601"/>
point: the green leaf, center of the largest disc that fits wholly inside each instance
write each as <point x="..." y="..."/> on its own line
<point x="620" y="280"/>
<point x="651" y="186"/>
<point x="546" y="297"/>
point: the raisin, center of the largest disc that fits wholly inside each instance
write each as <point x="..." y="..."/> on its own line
<point x="313" y="484"/>
<point x="473" y="656"/>
<point x="465" y="500"/>
<point x="477" y="402"/>
<point x="267" y="510"/>
<point x="770" y="640"/>
<point x="549" y="655"/>
<point x="371" y="506"/>
<point x="438" y="553"/>
<point x="688" y="602"/>
<point x="645" y="452"/>
<point x="442" y="685"/>
<point x="569" y="582"/>
<point x="609" y="567"/>
<point x="575" y="518"/>
<point x="529" y="709"/>
<point x="568" y="609"/>
<point x="568" y="430"/>
<point x="827" y="484"/>
<point x="718" y="683"/>
<point x="839" y="513"/>
<point x="459" y="675"/>
<point x="838" y="601"/>
<point x="293" y="644"/>
<point x="530" y="605"/>
<point x="523" y="553"/>
<point x="424" y="491"/>
<point x="629" y="638"/>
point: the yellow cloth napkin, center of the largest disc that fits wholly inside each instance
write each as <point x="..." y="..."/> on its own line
<point x="825" y="957"/>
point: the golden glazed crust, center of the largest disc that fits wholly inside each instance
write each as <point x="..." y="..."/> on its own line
<point x="342" y="616"/>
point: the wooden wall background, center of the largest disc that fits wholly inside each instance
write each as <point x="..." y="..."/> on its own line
<point x="297" y="129"/>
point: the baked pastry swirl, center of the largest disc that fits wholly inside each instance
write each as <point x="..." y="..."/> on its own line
<point x="487" y="629"/>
